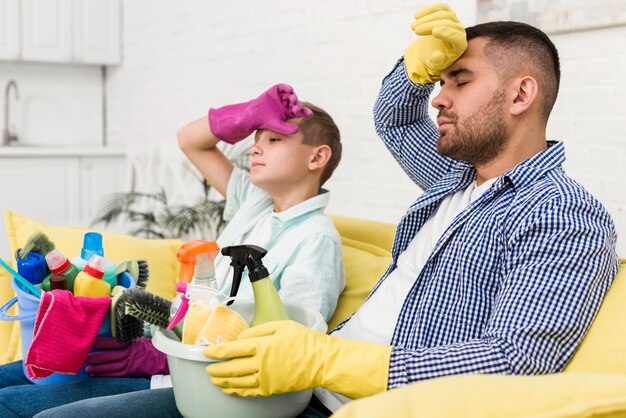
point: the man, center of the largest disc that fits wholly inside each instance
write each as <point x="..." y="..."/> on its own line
<point x="499" y="267"/>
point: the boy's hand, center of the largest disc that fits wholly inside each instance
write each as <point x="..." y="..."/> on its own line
<point x="139" y="358"/>
<point x="442" y="40"/>
<point x="270" y="111"/>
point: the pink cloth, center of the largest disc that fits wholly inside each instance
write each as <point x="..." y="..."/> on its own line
<point x="65" y="328"/>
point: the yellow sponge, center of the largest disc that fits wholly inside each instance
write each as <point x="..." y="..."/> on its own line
<point x="207" y="324"/>
<point x="196" y="317"/>
<point x="222" y="326"/>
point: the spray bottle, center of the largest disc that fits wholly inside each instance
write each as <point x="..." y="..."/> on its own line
<point x="196" y="261"/>
<point x="89" y="281"/>
<point x="196" y="269"/>
<point x="192" y="292"/>
<point x="268" y="306"/>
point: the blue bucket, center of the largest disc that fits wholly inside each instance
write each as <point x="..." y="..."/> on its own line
<point x="28" y="305"/>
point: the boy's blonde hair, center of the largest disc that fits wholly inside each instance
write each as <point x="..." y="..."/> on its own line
<point x="320" y="129"/>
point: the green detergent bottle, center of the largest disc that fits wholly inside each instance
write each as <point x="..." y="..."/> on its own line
<point x="59" y="264"/>
<point x="267" y="303"/>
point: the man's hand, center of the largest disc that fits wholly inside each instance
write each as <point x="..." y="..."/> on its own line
<point x="139" y="358"/>
<point x="442" y="40"/>
<point x="285" y="356"/>
<point x="270" y="111"/>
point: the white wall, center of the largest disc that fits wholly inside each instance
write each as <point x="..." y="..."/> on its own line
<point x="181" y="57"/>
<point x="59" y="104"/>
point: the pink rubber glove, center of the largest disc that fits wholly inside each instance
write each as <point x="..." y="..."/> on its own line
<point x="270" y="111"/>
<point x="139" y="359"/>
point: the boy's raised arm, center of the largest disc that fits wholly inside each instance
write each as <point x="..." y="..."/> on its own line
<point x="199" y="144"/>
<point x="233" y="123"/>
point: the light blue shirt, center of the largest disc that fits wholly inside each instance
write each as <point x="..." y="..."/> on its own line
<point x="303" y="251"/>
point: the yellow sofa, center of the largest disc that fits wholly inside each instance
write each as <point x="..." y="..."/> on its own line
<point x="593" y="384"/>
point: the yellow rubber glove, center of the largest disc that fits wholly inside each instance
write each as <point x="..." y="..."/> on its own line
<point x="441" y="41"/>
<point x="285" y="356"/>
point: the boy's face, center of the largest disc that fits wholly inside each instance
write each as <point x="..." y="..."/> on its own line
<point x="279" y="161"/>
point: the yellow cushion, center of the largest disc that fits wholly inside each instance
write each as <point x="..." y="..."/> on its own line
<point x="604" y="347"/>
<point x="9" y="330"/>
<point x="571" y="395"/>
<point x="364" y="264"/>
<point x="160" y="255"/>
<point x="380" y="234"/>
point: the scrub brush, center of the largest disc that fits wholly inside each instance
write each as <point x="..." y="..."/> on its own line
<point x="124" y="327"/>
<point x="37" y="242"/>
<point x="148" y="307"/>
<point x="136" y="268"/>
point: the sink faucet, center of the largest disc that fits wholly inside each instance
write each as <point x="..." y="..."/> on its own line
<point x="8" y="136"/>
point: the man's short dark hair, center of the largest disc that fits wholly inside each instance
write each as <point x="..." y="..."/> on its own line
<point x="320" y="129"/>
<point x="516" y="46"/>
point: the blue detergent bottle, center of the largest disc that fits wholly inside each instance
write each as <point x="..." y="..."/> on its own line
<point x="92" y="244"/>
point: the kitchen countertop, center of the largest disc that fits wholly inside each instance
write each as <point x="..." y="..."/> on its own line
<point x="60" y="151"/>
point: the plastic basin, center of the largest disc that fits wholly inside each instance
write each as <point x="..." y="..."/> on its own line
<point x="196" y="396"/>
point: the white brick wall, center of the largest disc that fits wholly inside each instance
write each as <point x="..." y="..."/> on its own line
<point x="181" y="57"/>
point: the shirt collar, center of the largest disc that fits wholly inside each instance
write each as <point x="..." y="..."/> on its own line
<point x="315" y="203"/>
<point x="529" y="170"/>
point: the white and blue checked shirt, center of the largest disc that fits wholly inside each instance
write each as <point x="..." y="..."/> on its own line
<point x="514" y="282"/>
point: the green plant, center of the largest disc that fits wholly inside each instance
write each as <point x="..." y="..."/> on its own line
<point x="151" y="215"/>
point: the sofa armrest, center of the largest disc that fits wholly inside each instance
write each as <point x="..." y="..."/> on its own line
<point x="570" y="395"/>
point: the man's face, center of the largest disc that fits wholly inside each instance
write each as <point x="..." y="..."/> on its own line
<point x="471" y="104"/>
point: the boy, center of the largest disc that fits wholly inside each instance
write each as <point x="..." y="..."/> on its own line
<point x="279" y="205"/>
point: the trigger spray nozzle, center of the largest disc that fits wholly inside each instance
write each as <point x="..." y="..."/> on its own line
<point x="245" y="256"/>
<point x="197" y="251"/>
<point x="191" y="292"/>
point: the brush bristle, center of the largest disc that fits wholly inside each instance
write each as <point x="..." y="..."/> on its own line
<point x="127" y="327"/>
<point x="148" y="307"/>
<point x="37" y="242"/>
<point x="144" y="273"/>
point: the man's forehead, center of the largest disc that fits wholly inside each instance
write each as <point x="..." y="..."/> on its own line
<point x="471" y="59"/>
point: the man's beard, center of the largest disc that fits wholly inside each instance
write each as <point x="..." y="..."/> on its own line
<point x="479" y="138"/>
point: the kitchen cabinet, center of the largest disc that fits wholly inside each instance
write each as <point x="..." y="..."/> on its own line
<point x="46" y="31"/>
<point x="59" y="186"/>
<point x="64" y="31"/>
<point x="9" y="30"/>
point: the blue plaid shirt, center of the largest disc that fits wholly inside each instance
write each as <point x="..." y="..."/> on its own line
<point x="515" y="281"/>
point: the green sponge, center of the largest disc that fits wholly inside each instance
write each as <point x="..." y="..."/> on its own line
<point x="38" y="242"/>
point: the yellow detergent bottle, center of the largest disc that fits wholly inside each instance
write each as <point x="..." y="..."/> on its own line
<point x="267" y="303"/>
<point x="89" y="281"/>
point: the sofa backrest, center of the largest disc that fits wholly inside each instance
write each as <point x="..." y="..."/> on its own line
<point x="366" y="247"/>
<point x="604" y="347"/>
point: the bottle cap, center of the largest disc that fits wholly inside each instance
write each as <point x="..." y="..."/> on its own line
<point x="92" y="244"/>
<point x="95" y="266"/>
<point x="33" y="267"/>
<point x="57" y="262"/>
<point x="58" y="281"/>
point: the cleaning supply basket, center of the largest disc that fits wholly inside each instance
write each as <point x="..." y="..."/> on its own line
<point x="28" y="305"/>
<point x="196" y="396"/>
